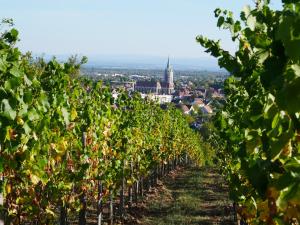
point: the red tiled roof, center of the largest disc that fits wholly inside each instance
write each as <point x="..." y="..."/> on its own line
<point x="184" y="108"/>
<point x="198" y="101"/>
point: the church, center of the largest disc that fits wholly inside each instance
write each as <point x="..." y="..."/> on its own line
<point x="164" y="87"/>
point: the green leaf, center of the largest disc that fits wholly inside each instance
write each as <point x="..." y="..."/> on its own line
<point x="27" y="81"/>
<point x="251" y="22"/>
<point x="11" y="36"/>
<point x="277" y="144"/>
<point x="1" y="164"/>
<point x="33" y="115"/>
<point x="292" y="49"/>
<point x="291" y="193"/>
<point x="217" y="12"/>
<point x="3" y="65"/>
<point x="23" y="110"/>
<point x="43" y="100"/>
<point x="35" y="82"/>
<point x="286" y="32"/>
<point x="220" y="21"/>
<point x="293" y="165"/>
<point x="26" y="128"/>
<point x="65" y="115"/>
<point x="275" y="120"/>
<point x="12" y="84"/>
<point x="15" y="71"/>
<point x="6" y="110"/>
<point x="27" y="96"/>
<point x="246" y="12"/>
<point x="278" y="221"/>
<point x="284" y="181"/>
<point x="262" y="56"/>
<point x="296" y="69"/>
<point x="291" y="92"/>
<point x="14" y="33"/>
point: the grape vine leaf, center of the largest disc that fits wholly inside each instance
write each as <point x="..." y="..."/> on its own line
<point x="7" y="110"/>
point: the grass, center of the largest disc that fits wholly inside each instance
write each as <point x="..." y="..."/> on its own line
<point x="189" y="196"/>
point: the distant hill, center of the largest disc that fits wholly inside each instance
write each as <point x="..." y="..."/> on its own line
<point x="146" y="62"/>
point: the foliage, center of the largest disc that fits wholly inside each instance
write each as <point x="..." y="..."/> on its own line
<point x="60" y="134"/>
<point x="260" y="124"/>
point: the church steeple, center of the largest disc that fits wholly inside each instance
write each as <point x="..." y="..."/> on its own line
<point x="168" y="79"/>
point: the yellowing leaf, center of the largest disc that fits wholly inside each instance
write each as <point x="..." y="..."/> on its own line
<point x="73" y="114"/>
<point x="8" y="188"/>
<point x="34" y="179"/>
<point x="49" y="211"/>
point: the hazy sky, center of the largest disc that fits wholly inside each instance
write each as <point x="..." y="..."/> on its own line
<point x="118" y="27"/>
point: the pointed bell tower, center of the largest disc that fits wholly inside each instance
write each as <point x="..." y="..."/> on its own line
<point x="168" y="78"/>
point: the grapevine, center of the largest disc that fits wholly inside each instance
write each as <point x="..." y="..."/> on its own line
<point x="259" y="128"/>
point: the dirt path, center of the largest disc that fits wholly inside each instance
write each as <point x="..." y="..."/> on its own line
<point x="188" y="196"/>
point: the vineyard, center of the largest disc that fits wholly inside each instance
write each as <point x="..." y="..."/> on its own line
<point x="67" y="144"/>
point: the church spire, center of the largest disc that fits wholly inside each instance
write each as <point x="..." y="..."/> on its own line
<point x="168" y="64"/>
<point x="168" y="81"/>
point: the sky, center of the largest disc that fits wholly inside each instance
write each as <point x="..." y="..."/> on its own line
<point x="155" y="28"/>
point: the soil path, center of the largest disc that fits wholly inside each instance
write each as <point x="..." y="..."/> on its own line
<point x="187" y="196"/>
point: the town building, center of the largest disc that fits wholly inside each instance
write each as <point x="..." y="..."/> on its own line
<point x="148" y="87"/>
<point x="206" y="109"/>
<point x="165" y="87"/>
<point x="184" y="108"/>
<point x="126" y="85"/>
<point x="161" y="99"/>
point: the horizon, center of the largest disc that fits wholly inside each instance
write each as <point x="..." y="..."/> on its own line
<point x="143" y="62"/>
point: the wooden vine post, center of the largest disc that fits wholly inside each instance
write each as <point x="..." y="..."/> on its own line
<point x="122" y="201"/>
<point x="156" y="172"/>
<point x="83" y="205"/>
<point x="111" y="208"/>
<point x="63" y="214"/>
<point x="100" y="205"/>
<point x="1" y="198"/>
<point x="1" y="205"/>
<point x="130" y="187"/>
<point x="137" y="185"/>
